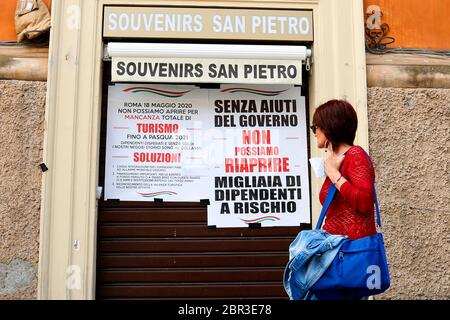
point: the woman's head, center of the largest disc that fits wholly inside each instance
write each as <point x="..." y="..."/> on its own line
<point x="335" y="121"/>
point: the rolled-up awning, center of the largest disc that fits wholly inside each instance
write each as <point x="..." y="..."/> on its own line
<point x="210" y="63"/>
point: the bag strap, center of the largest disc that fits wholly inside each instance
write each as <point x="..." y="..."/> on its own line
<point x="375" y="198"/>
<point x="330" y="196"/>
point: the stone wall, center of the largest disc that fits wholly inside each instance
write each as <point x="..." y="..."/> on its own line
<point x="409" y="132"/>
<point x="21" y="142"/>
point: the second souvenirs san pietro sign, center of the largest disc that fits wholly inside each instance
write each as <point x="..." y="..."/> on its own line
<point x="141" y="69"/>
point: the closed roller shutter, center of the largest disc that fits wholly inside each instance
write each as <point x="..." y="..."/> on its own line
<point x="166" y="251"/>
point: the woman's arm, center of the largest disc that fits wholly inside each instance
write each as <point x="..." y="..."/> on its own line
<point x="357" y="190"/>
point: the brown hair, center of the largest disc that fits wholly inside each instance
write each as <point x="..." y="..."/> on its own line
<point x="338" y="121"/>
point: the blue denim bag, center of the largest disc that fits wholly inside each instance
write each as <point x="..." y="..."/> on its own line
<point x="360" y="268"/>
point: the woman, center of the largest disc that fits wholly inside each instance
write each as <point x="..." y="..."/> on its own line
<point x="348" y="167"/>
<point x="351" y="212"/>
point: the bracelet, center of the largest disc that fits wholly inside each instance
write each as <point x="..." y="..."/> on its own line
<point x="338" y="179"/>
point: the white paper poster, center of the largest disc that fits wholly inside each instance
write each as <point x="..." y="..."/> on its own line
<point x="244" y="148"/>
<point x="152" y="150"/>
<point x="259" y="157"/>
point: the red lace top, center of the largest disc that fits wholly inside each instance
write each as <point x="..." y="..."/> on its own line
<point x="351" y="212"/>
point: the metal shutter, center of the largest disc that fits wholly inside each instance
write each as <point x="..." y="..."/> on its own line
<point x="166" y="251"/>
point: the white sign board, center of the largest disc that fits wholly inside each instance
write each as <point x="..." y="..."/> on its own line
<point x="207" y="23"/>
<point x="199" y="70"/>
<point x="260" y="168"/>
<point x="150" y="142"/>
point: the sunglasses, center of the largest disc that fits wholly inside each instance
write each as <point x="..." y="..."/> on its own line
<point x="313" y="128"/>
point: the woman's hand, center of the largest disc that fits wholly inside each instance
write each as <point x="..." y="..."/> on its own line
<point x="332" y="164"/>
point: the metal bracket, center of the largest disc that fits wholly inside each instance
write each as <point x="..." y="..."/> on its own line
<point x="106" y="56"/>
<point x="308" y="61"/>
<point x="308" y="64"/>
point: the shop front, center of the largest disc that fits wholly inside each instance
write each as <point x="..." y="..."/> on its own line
<point x="178" y="145"/>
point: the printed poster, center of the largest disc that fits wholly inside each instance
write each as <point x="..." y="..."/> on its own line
<point x="259" y="157"/>
<point x="152" y="150"/>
